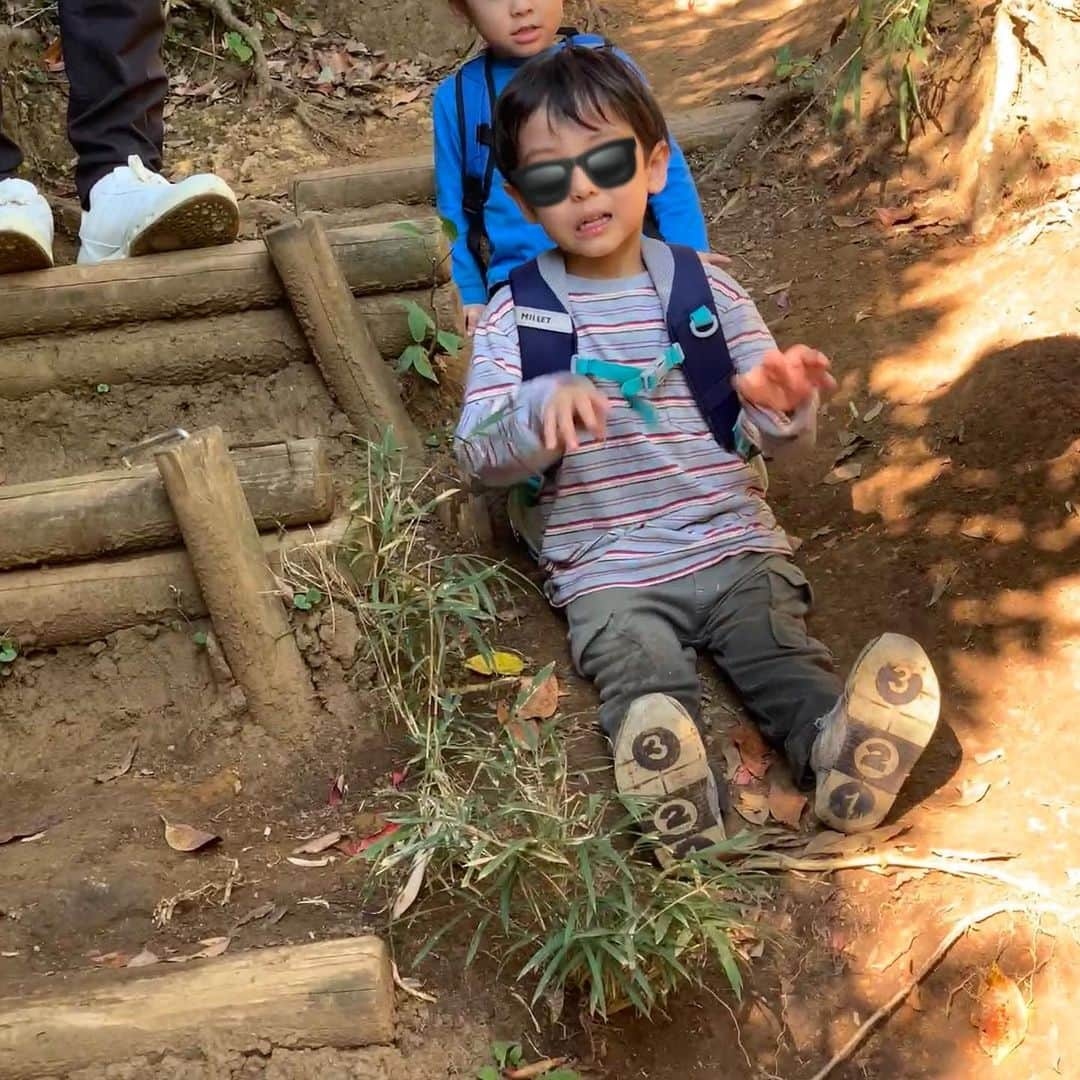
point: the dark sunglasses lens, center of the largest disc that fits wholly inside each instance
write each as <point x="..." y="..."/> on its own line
<point x="612" y="164"/>
<point x="545" y="184"/>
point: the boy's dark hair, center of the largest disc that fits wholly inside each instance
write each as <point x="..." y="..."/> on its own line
<point x="575" y="83"/>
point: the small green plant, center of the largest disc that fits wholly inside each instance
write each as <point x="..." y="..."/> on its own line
<point x="9" y="651"/>
<point x="201" y="639"/>
<point x="427" y="342"/>
<point x="102" y="388"/>
<point x="236" y="45"/>
<point x="895" y="31"/>
<point x="799" y="71"/>
<point x="509" y="1055"/>
<point x="307" y="600"/>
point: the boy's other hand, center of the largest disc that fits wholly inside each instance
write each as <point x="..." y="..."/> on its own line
<point x="715" y="258"/>
<point x="784" y="381"/>
<point x="473" y="314"/>
<point x="575" y="405"/>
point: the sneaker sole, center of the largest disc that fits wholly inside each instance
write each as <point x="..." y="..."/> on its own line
<point x="207" y="220"/>
<point x="659" y="755"/>
<point x="893" y="701"/>
<point x="19" y="253"/>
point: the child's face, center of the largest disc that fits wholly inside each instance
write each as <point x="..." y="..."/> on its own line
<point x="592" y="222"/>
<point x="515" y="28"/>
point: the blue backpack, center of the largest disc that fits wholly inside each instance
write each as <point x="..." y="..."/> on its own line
<point x="476" y="132"/>
<point x="548" y="341"/>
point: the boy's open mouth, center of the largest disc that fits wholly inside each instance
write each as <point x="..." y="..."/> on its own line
<point x="526" y="35"/>
<point x="593" y="224"/>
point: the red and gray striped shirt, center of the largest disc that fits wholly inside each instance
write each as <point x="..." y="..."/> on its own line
<point x="651" y="502"/>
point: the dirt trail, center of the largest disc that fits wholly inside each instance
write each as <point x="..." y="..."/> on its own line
<point x="961" y="530"/>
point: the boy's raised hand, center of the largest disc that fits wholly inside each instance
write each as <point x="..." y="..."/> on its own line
<point x="575" y="405"/>
<point x="784" y="381"/>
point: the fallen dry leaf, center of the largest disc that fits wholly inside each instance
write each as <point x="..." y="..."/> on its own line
<point x="411" y="889"/>
<point x="499" y="663"/>
<point x="536" y="1069"/>
<point x="9" y="955"/>
<point x="743" y="776"/>
<point x="862" y="316"/>
<point x="817" y="534"/>
<point x="894" y="215"/>
<point x="1000" y="1015"/>
<point x="850" y="470"/>
<point x="109" y="959"/>
<point x="388" y="829"/>
<point x="543" y="702"/>
<point x="255" y="914"/>
<point x="996" y="754"/>
<point x="337" y="791"/>
<point x="835" y="843"/>
<point x="941" y="578"/>
<point x="26" y="832"/>
<point x="319" y="844"/>
<point x="873" y="412"/>
<point x="849" y="221"/>
<point x="144" y="959"/>
<point x="732" y="761"/>
<point x="52" y="59"/>
<point x="971" y="792"/>
<point x="211" y="947"/>
<point x="526" y="733"/>
<point x="753" y="806"/>
<point x="786" y="804"/>
<point x="772" y="290"/>
<point x="310" y="864"/>
<point x="187" y="838"/>
<point x="412" y="987"/>
<point x="122" y="769"/>
<point x="753" y="750"/>
<point x="851" y="448"/>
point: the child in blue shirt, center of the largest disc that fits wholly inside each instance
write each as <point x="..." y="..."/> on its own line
<point x="493" y="235"/>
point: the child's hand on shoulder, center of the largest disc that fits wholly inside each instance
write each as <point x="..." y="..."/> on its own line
<point x="785" y="381"/>
<point x="575" y="405"/>
<point x="473" y="314"/>
<point x="715" y="258"/>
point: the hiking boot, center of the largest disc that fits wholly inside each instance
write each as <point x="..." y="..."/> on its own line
<point x="134" y="211"/>
<point x="26" y="228"/>
<point x="659" y="756"/>
<point x="869" y="742"/>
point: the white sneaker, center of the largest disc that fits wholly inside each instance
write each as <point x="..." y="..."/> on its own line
<point x="134" y="211"/>
<point x="26" y="228"/>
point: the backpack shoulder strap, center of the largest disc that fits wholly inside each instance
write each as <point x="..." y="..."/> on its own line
<point x="547" y="340"/>
<point x="476" y="131"/>
<point x="694" y="325"/>
<point x="572" y="36"/>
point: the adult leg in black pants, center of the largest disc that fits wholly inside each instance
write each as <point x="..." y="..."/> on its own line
<point x="112" y="53"/>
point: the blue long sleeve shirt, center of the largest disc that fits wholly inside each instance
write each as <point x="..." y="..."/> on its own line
<point x="513" y="240"/>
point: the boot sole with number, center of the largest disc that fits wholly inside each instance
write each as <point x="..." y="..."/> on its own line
<point x="660" y="757"/>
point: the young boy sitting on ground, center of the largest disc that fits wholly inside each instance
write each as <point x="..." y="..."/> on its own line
<point x="629" y="377"/>
<point x="493" y="236"/>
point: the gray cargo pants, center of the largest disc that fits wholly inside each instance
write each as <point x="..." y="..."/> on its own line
<point x="748" y="612"/>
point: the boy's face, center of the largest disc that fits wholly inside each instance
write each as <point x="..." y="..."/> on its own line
<point x="592" y="222"/>
<point x="514" y="28"/>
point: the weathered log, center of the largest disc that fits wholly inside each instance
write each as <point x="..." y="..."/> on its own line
<point x="344" y="348"/>
<point x="329" y="993"/>
<point x="223" y="544"/>
<point x="211" y="281"/>
<point x="125" y="510"/>
<point x="412" y="180"/>
<point x="65" y="605"/>
<point x="168" y="352"/>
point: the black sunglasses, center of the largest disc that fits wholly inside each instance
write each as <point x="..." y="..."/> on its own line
<point x="547" y="183"/>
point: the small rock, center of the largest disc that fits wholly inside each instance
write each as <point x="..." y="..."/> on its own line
<point x="96" y="648"/>
<point x="305" y="639"/>
<point x="316" y="660"/>
<point x="104" y="669"/>
<point x="235" y="700"/>
<point x="36" y="661"/>
<point x="149" y="631"/>
<point x="346" y="640"/>
<point x="228" y="728"/>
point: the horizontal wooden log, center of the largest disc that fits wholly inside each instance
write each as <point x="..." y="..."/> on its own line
<point x="177" y="352"/>
<point x="65" y="605"/>
<point x="412" y="180"/>
<point x="126" y="510"/>
<point x="330" y="993"/>
<point x="211" y="281"/>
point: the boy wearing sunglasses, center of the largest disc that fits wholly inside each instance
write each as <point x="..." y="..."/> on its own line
<point x="493" y="237"/>
<point x="626" y="375"/>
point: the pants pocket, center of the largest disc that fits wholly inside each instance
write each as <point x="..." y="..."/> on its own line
<point x="790" y="599"/>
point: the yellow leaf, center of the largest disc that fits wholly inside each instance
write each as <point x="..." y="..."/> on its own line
<point x="1001" y="1015"/>
<point x="543" y="702"/>
<point x="500" y="663"/>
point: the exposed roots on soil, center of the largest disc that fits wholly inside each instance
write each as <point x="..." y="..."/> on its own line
<point x="886" y="859"/>
<point x="960" y="928"/>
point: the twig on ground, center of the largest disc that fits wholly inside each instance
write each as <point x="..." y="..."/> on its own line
<point x="950" y="939"/>
<point x="886" y="859"/>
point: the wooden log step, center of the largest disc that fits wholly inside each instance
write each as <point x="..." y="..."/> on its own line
<point x="126" y="510"/>
<point x="177" y="352"/>
<point x="211" y="281"/>
<point x="336" y="993"/>
<point x="87" y="601"/>
<point x="412" y="179"/>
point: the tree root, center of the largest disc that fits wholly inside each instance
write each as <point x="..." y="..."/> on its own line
<point x="223" y="9"/>
<point x="951" y="938"/>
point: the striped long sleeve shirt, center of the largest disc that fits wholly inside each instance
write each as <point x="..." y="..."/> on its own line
<point x="652" y="501"/>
